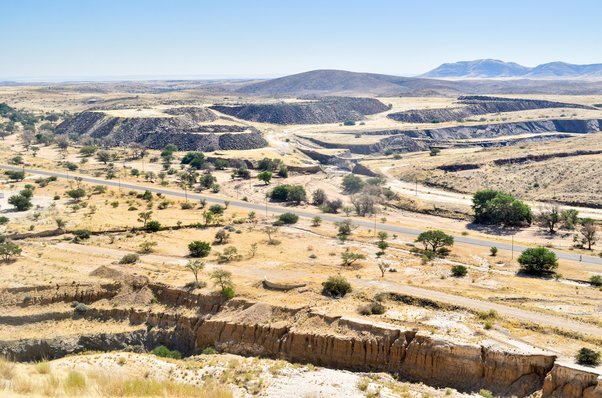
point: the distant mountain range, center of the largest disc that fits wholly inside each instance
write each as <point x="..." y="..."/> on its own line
<point x="339" y="82"/>
<point x="493" y="68"/>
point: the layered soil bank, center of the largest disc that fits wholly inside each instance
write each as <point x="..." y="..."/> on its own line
<point x="192" y="322"/>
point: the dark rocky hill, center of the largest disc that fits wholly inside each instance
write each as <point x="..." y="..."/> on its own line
<point x="324" y="110"/>
<point x="156" y="132"/>
<point x="477" y="105"/>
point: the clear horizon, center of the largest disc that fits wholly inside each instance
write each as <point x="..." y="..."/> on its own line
<point x="68" y="40"/>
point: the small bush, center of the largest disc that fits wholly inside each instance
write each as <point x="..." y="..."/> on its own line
<point x="588" y="357"/>
<point x="209" y="351"/>
<point x="82" y="234"/>
<point x="186" y="205"/>
<point x="493" y="251"/>
<point x="3" y="220"/>
<point x="164" y="352"/>
<point x="81" y="308"/>
<point x="130" y="258"/>
<point x="596" y="280"/>
<point x="288" y="218"/>
<point x="374" y="308"/>
<point x="459" y="271"/>
<point x="336" y="286"/>
<point x="228" y="293"/>
<point x="153" y="226"/>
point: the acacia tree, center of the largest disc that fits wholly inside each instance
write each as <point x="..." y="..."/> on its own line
<point x="144" y="217"/>
<point x="383" y="267"/>
<point x="348" y="257"/>
<point x="195" y="266"/>
<point x="435" y="239"/>
<point x="222" y="278"/>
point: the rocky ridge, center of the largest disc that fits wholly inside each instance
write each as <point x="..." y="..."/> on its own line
<point x="182" y="129"/>
<point x="323" y="110"/>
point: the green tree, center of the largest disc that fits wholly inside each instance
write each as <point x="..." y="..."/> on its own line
<point x="21" y="202"/>
<point x="144" y="217"/>
<point x="195" y="266"/>
<point x="494" y="207"/>
<point x="199" y="248"/>
<point x="435" y="239"/>
<point x="538" y="261"/>
<point x="222" y="279"/>
<point x="194" y="159"/>
<point x="348" y="258"/>
<point x="8" y="250"/>
<point x="103" y="156"/>
<point x="76" y="194"/>
<point x="265" y="176"/>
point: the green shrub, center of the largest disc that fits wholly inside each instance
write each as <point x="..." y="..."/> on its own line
<point x="82" y="234"/>
<point x="493" y="251"/>
<point x="588" y="357"/>
<point x="596" y="280"/>
<point x="164" y="352"/>
<point x="3" y="220"/>
<point x="209" y="351"/>
<point x="81" y="308"/>
<point x="459" y="271"/>
<point x="199" y="248"/>
<point x="228" y="293"/>
<point x="288" y="218"/>
<point x="153" y="226"/>
<point x="130" y="258"/>
<point x="336" y="286"/>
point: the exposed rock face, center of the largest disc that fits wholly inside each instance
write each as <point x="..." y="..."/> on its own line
<point x="324" y="110"/>
<point x="301" y="335"/>
<point x="477" y="105"/>
<point x="567" y="382"/>
<point x="420" y="140"/>
<point x="155" y="132"/>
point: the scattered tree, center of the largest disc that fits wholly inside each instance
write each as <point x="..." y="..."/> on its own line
<point x="76" y="194"/>
<point x="221" y="237"/>
<point x="434" y="240"/>
<point x="588" y="232"/>
<point x="348" y="258"/>
<point x="195" y="266"/>
<point x="588" y="357"/>
<point x="265" y="176"/>
<point x="21" y="202"/>
<point x="549" y="218"/>
<point x="8" y="250"/>
<point x="383" y="267"/>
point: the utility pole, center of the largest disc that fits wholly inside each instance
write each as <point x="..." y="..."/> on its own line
<point x="416" y="186"/>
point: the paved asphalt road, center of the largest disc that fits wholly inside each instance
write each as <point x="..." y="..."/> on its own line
<point x="368" y="223"/>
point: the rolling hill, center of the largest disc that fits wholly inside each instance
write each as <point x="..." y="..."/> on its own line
<point x="492" y="68"/>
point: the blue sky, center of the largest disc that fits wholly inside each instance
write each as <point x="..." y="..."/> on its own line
<point x="182" y="38"/>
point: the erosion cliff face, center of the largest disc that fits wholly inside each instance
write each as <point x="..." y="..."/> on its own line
<point x="301" y="335"/>
<point x="420" y="140"/>
<point x="181" y="129"/>
<point x="477" y="105"/>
